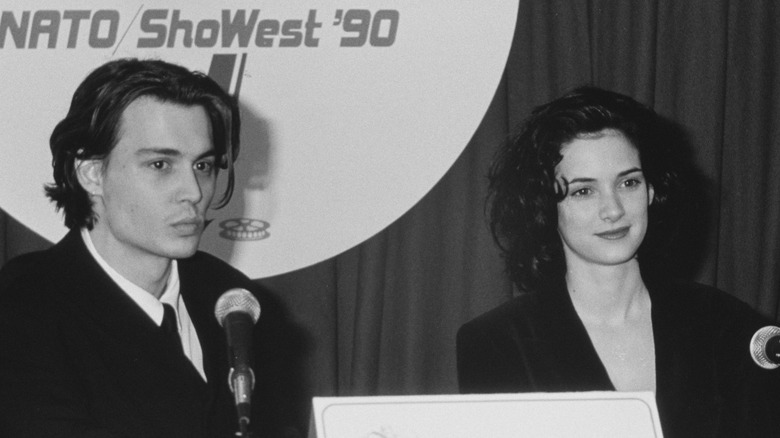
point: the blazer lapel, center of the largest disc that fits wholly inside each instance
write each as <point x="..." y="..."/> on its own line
<point x="569" y="351"/>
<point x="109" y="308"/>
<point x="200" y="300"/>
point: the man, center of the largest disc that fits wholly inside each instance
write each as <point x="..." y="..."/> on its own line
<point x="83" y="345"/>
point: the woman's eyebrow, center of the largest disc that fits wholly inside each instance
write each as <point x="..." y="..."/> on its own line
<point x="587" y="180"/>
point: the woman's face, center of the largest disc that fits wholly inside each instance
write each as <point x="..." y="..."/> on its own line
<point x="603" y="218"/>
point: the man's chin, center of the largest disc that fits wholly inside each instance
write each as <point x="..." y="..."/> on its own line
<point x="184" y="251"/>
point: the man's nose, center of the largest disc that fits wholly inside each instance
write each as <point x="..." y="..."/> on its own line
<point x="189" y="187"/>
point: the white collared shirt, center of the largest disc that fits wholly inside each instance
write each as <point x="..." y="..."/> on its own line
<point x="154" y="307"/>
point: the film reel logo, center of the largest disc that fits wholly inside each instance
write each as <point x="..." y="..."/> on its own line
<point x="244" y="229"/>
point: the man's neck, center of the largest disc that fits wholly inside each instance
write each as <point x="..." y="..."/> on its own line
<point x="147" y="271"/>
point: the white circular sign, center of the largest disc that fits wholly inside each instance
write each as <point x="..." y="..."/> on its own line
<point x="350" y="112"/>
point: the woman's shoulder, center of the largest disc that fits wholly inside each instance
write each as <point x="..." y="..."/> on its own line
<point x="523" y="314"/>
<point x="702" y="303"/>
<point x="680" y="292"/>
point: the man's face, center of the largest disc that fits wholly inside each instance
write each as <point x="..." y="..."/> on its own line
<point x="156" y="184"/>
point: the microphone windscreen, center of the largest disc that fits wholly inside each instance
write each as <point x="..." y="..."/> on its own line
<point x="763" y="338"/>
<point x="237" y="300"/>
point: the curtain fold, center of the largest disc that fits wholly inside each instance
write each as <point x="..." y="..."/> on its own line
<point x="750" y="195"/>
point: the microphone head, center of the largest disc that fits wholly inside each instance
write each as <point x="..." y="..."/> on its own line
<point x="237" y="300"/>
<point x="758" y="346"/>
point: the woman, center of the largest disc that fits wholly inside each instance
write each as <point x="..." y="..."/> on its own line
<point x="581" y="204"/>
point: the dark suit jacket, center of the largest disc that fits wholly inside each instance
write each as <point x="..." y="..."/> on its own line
<point x="79" y="358"/>
<point x="706" y="383"/>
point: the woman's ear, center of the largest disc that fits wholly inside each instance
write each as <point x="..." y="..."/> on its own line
<point x="90" y="176"/>
<point x="650" y="194"/>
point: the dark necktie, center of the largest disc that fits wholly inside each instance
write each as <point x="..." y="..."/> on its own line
<point x="170" y="328"/>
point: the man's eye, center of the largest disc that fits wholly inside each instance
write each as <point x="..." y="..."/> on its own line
<point x="204" y="166"/>
<point x="160" y="165"/>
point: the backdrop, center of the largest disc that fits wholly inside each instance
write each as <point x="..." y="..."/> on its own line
<point x="325" y="92"/>
<point x="381" y="317"/>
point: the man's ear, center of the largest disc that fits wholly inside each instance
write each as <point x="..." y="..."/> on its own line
<point x="90" y="175"/>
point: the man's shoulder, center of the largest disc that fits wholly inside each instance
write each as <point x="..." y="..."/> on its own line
<point x="26" y="268"/>
<point x="61" y="259"/>
<point x="203" y="263"/>
<point x="23" y="261"/>
<point x="201" y="258"/>
<point x="213" y="276"/>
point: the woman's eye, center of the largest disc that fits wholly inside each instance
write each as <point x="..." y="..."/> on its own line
<point x="631" y="183"/>
<point x="582" y="192"/>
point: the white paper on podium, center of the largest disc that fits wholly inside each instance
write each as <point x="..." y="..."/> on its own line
<point x="538" y="415"/>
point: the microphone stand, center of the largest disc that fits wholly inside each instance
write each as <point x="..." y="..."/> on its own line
<point x="244" y="431"/>
<point x="237" y="311"/>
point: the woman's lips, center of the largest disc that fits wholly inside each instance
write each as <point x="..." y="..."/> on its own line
<point x="617" y="233"/>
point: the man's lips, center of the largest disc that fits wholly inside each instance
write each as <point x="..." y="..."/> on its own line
<point x="617" y="233"/>
<point x="189" y="225"/>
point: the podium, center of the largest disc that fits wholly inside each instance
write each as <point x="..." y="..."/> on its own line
<point x="539" y="415"/>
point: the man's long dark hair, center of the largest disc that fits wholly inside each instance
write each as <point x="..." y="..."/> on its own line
<point x="91" y="128"/>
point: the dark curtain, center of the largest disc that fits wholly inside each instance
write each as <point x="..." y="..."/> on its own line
<point x="381" y="318"/>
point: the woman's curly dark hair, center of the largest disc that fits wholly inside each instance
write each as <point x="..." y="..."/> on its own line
<point x="523" y="195"/>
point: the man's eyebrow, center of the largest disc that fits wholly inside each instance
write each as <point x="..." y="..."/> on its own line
<point x="209" y="153"/>
<point x="587" y="180"/>
<point x="170" y="152"/>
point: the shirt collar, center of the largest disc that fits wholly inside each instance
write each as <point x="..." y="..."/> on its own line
<point x="145" y="300"/>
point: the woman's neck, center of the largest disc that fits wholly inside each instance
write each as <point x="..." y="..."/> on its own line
<point x="608" y="294"/>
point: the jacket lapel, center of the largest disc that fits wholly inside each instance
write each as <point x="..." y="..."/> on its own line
<point x="200" y="303"/>
<point x="109" y="309"/>
<point x="570" y="354"/>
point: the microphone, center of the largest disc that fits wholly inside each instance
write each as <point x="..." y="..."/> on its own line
<point x="765" y="347"/>
<point x="237" y="311"/>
